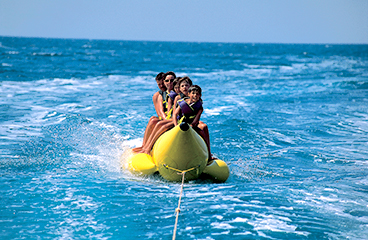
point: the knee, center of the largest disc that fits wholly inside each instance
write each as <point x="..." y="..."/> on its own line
<point x="167" y="125"/>
<point x="153" y="120"/>
<point x="161" y="123"/>
<point x="202" y="126"/>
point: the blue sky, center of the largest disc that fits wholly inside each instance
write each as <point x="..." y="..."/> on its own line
<point x="249" y="21"/>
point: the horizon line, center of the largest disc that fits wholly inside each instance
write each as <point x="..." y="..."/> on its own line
<point x="183" y="41"/>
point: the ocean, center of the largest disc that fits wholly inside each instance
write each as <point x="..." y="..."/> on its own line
<point x="290" y="120"/>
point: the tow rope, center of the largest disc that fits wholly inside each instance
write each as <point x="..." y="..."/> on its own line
<point x="177" y="210"/>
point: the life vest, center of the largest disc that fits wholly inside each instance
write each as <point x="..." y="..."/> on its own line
<point x="171" y="95"/>
<point x="164" y="95"/>
<point x="188" y="112"/>
<point x="182" y="96"/>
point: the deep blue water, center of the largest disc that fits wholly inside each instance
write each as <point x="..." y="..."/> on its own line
<point x="291" y="120"/>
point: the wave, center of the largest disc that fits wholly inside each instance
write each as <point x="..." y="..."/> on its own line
<point x="320" y="67"/>
<point x="45" y="54"/>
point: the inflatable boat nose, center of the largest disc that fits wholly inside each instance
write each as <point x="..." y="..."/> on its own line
<point x="180" y="149"/>
<point x="184" y="126"/>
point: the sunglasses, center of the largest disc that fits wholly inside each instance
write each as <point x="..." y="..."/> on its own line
<point x="169" y="80"/>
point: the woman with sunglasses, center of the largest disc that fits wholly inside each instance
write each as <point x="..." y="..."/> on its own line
<point x="168" y="81"/>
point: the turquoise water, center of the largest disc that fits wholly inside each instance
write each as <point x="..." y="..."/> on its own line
<point x="290" y="120"/>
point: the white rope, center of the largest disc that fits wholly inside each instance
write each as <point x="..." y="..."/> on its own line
<point x="178" y="209"/>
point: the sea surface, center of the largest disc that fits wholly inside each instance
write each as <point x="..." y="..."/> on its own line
<point x="290" y="120"/>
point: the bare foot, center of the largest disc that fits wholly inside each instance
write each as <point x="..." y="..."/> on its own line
<point x="141" y="150"/>
<point x="137" y="149"/>
<point x="145" y="151"/>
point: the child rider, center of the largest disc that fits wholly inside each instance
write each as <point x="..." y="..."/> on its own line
<point x="189" y="110"/>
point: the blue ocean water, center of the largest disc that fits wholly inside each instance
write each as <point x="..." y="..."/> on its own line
<point x="291" y="120"/>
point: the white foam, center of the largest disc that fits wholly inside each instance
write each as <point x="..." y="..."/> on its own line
<point x="273" y="223"/>
<point x="214" y="111"/>
<point x="133" y="142"/>
<point x="328" y="199"/>
<point x="286" y="68"/>
<point x="239" y="219"/>
<point x="287" y="208"/>
<point x="220" y="225"/>
<point x="235" y="99"/>
<point x="13" y="52"/>
<point x="244" y="233"/>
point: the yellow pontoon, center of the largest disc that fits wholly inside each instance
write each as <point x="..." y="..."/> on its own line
<point x="179" y="150"/>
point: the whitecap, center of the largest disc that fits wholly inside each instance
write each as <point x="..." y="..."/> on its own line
<point x="133" y="142"/>
<point x="239" y="219"/>
<point x="328" y="199"/>
<point x="13" y="52"/>
<point x="218" y="225"/>
<point x="275" y="224"/>
<point x="286" y="68"/>
<point x="214" y="111"/>
<point x="237" y="100"/>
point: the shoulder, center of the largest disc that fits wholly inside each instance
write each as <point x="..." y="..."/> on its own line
<point x="173" y="95"/>
<point x="182" y="102"/>
<point x="156" y="95"/>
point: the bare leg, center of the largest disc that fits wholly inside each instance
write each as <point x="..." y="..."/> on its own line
<point x="159" y="129"/>
<point x="150" y="126"/>
<point x="206" y="137"/>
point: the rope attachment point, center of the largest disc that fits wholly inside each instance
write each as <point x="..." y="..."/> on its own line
<point x="182" y="171"/>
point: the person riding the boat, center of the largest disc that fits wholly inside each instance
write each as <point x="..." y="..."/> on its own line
<point x="200" y="127"/>
<point x="190" y="108"/>
<point x="159" y="105"/>
<point x="176" y="85"/>
<point x="171" y="97"/>
<point x="184" y="84"/>
<point x="169" y="84"/>
<point x="157" y="102"/>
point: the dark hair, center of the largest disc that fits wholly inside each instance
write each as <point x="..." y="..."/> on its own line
<point x="160" y="76"/>
<point x="186" y="78"/>
<point x="176" y="81"/>
<point x="169" y="73"/>
<point x="195" y="88"/>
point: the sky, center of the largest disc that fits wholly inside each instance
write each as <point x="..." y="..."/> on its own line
<point x="245" y="21"/>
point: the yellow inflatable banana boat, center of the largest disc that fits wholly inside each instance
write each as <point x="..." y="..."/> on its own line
<point x="179" y="150"/>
